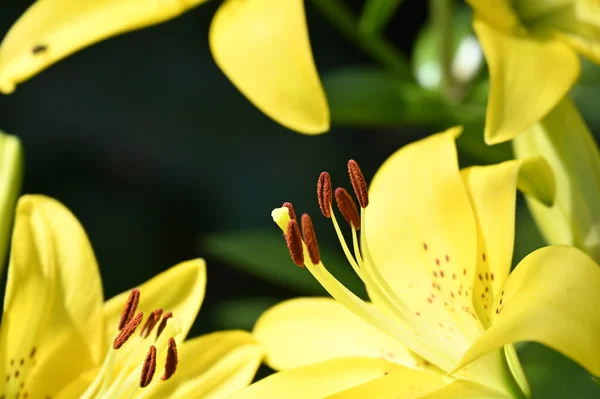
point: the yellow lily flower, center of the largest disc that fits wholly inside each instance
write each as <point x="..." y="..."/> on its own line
<point x="435" y="255"/>
<point x="261" y="45"/>
<point x="58" y="339"/>
<point x="531" y="47"/>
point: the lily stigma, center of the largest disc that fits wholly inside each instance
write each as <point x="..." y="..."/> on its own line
<point x="59" y="340"/>
<point x="434" y="253"/>
<point x="532" y="47"/>
<point x="262" y="46"/>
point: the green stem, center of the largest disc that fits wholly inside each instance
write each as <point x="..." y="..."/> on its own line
<point x="514" y="373"/>
<point x="375" y="46"/>
<point x="442" y="18"/>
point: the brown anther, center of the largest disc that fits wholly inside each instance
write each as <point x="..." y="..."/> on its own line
<point x="291" y="210"/>
<point x="324" y="194"/>
<point x="171" y="362"/>
<point x="151" y="321"/>
<point x="347" y="207"/>
<point x="358" y="183"/>
<point x="148" y="368"/>
<point x="127" y="330"/>
<point x="293" y="240"/>
<point x="310" y="239"/>
<point x="163" y="324"/>
<point x="129" y="308"/>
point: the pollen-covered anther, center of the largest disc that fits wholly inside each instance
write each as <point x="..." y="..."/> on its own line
<point x="347" y="207"/>
<point x="310" y="239"/>
<point x="151" y="321"/>
<point x="148" y="368"/>
<point x="129" y="308"/>
<point x="359" y="183"/>
<point x="291" y="210"/>
<point x="128" y="330"/>
<point x="293" y="240"/>
<point x="171" y="361"/>
<point x="324" y="194"/>
<point x="163" y="323"/>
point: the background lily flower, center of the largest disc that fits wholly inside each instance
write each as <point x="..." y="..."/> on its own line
<point x="261" y="45"/>
<point x="59" y="340"/>
<point x="11" y="176"/>
<point x="574" y="218"/>
<point x="531" y="48"/>
<point x="435" y="256"/>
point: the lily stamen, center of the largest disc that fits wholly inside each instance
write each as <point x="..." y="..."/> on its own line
<point x="171" y="360"/>
<point x="152" y="320"/>
<point x="162" y="324"/>
<point x="148" y="368"/>
<point x="310" y="239"/>
<point x="347" y="207"/>
<point x="129" y="308"/>
<point x="324" y="194"/>
<point x="293" y="240"/>
<point x="127" y="331"/>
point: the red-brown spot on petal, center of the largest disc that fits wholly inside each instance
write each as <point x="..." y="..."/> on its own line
<point x="32" y="354"/>
<point x="129" y="308"/>
<point x="310" y="239"/>
<point x="358" y="183"/>
<point x="453" y="276"/>
<point x="148" y="368"/>
<point x="464" y="272"/>
<point x="347" y="207"/>
<point x="324" y="193"/>
<point x="293" y="239"/>
<point x="171" y="362"/>
<point x="483" y="256"/>
<point x="437" y="261"/>
<point x="425" y="247"/>
<point x="441" y="273"/>
<point x="492" y="276"/>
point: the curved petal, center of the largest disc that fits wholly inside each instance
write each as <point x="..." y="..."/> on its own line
<point x="493" y="193"/>
<point x="528" y="77"/>
<point x="416" y="384"/>
<point x="499" y="13"/>
<point x="11" y="177"/>
<point x="53" y="29"/>
<point x="552" y="297"/>
<point x="53" y="303"/>
<point x="309" y="330"/>
<point x="421" y="232"/>
<point x="318" y="380"/>
<point x="211" y="366"/>
<point x="263" y="48"/>
<point x="179" y="290"/>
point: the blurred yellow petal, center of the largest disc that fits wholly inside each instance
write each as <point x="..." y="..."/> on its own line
<point x="11" y="176"/>
<point x="566" y="142"/>
<point x="551" y="297"/>
<point x="212" y="366"/>
<point x="179" y="290"/>
<point x="420" y="230"/>
<point x="499" y="13"/>
<point x="528" y="77"/>
<point x="309" y="330"/>
<point x="318" y="380"/>
<point x="53" y="29"/>
<point x="53" y="303"/>
<point x="493" y="193"/>
<point x="263" y="48"/>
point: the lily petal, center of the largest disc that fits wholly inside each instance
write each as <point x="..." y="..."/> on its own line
<point x="528" y="77"/>
<point x="53" y="29"/>
<point x="263" y="48"/>
<point x="302" y="331"/>
<point x="421" y="232"/>
<point x="212" y="366"/>
<point x="179" y="290"/>
<point x="52" y="320"/>
<point x="551" y="297"/>
<point x="493" y="193"/>
<point x="499" y="13"/>
<point x="318" y="380"/>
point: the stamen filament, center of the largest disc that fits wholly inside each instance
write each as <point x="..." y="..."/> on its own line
<point x="345" y="248"/>
<point x="102" y="374"/>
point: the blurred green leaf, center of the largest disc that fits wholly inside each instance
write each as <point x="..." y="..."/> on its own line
<point x="263" y="253"/>
<point x="240" y="313"/>
<point x="553" y="376"/>
<point x="376" y="14"/>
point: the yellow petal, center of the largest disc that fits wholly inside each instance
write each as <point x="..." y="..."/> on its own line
<point x="318" y="380"/>
<point x="53" y="299"/>
<point x="566" y="142"/>
<point x="263" y="48"/>
<point x="552" y="297"/>
<point x="416" y="384"/>
<point x="212" y="366"/>
<point x="528" y="77"/>
<point x="179" y="289"/>
<point x="53" y="29"/>
<point x="11" y="176"/>
<point x="493" y="193"/>
<point x="498" y="13"/>
<point x="309" y="330"/>
<point x="421" y="232"/>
